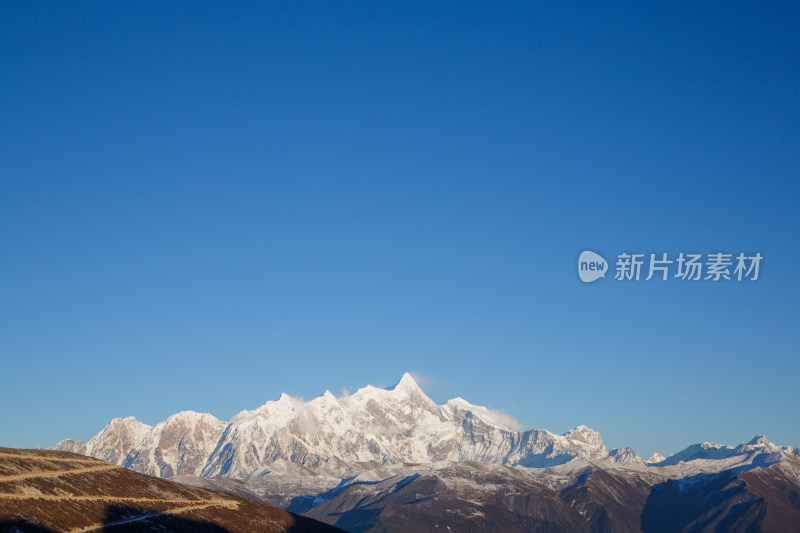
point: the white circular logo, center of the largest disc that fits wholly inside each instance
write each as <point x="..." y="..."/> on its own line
<point x="591" y="266"/>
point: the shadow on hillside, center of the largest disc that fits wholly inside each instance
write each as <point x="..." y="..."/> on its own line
<point x="22" y="526"/>
<point x="122" y="519"/>
<point x="700" y="501"/>
<point x="715" y="501"/>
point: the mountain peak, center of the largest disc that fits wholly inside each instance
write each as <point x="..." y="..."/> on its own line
<point x="586" y="435"/>
<point x="759" y="440"/>
<point x="128" y="423"/>
<point x="283" y="400"/>
<point x="581" y="430"/>
<point x="192" y="417"/>
<point x="655" y="459"/>
<point x="406" y="384"/>
<point x="624" y="455"/>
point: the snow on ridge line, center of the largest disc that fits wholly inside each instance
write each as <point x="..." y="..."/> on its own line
<point x="372" y="425"/>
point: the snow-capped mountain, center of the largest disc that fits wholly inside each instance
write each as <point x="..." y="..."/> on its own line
<point x="113" y="443"/>
<point x="625" y="456"/>
<point x="179" y="445"/>
<point x="372" y="426"/>
<point x="655" y="458"/>
<point x="712" y="451"/>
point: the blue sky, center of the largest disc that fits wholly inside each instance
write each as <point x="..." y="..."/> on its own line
<point x="203" y="206"/>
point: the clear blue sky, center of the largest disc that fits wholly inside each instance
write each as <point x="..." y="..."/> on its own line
<point x="203" y="205"/>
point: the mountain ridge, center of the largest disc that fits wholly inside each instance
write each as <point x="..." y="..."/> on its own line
<point x="395" y="425"/>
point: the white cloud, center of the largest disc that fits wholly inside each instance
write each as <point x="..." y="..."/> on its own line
<point x="501" y="417"/>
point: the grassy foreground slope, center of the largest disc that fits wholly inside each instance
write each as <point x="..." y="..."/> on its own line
<point x="42" y="490"/>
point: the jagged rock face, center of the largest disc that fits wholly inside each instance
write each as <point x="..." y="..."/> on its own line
<point x="373" y="425"/>
<point x="655" y="459"/>
<point x="625" y="456"/>
<point x="384" y="426"/>
<point x="69" y="445"/>
<point x="179" y="445"/>
<point x="113" y="443"/>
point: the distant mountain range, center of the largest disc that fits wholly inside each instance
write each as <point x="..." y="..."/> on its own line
<point x="392" y="459"/>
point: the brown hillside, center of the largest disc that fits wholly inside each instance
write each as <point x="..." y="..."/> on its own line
<point x="61" y="491"/>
